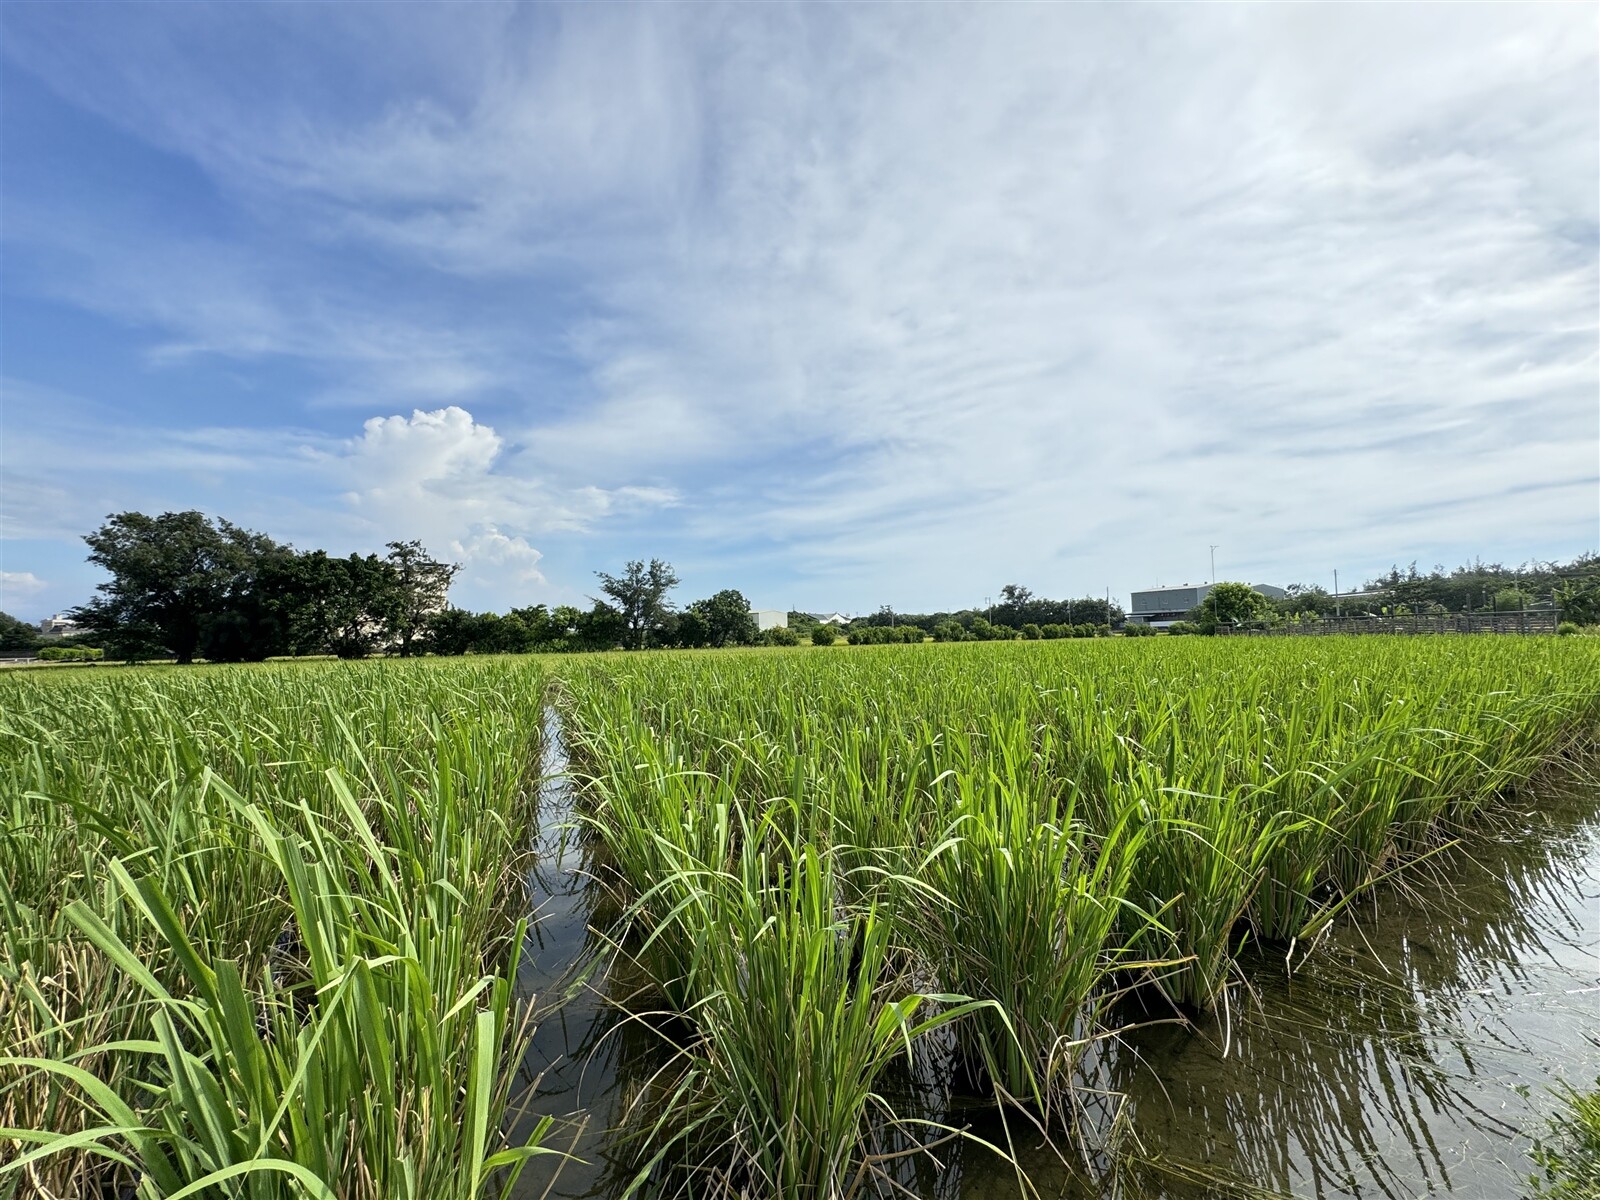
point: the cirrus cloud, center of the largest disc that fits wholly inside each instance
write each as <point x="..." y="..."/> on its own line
<point x="821" y="298"/>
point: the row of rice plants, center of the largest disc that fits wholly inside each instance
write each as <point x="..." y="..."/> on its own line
<point x="260" y="927"/>
<point x="1030" y="829"/>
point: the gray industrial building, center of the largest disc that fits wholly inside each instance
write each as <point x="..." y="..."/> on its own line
<point x="1164" y="605"/>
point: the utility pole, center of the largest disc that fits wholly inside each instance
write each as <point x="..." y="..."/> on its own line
<point x="1336" y="611"/>
<point x="1213" y="566"/>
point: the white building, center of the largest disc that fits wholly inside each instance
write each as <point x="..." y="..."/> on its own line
<point x="58" y="626"/>
<point x="835" y="619"/>
<point x="1163" y="606"/>
<point x="771" y="618"/>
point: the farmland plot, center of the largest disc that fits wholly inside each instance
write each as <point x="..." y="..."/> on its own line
<point x="265" y="926"/>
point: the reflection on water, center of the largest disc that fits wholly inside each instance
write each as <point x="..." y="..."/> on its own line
<point x="570" y="1071"/>
<point x="1410" y="1054"/>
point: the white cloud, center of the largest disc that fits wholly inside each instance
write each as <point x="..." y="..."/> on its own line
<point x="444" y="472"/>
<point x="490" y="547"/>
<point x="20" y="584"/>
<point x="1063" y="294"/>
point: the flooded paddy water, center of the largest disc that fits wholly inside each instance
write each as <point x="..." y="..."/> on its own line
<point x="1414" y="1051"/>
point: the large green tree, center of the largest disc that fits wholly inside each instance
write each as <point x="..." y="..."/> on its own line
<point x="422" y="588"/>
<point x="361" y="604"/>
<point x="728" y="619"/>
<point x="639" y="597"/>
<point x="1235" y="604"/>
<point x="17" y="635"/>
<point x="170" y="576"/>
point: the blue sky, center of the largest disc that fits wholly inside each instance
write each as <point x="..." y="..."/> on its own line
<point x="838" y="305"/>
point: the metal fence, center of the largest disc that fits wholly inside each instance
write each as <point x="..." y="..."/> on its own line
<point x="1527" y="620"/>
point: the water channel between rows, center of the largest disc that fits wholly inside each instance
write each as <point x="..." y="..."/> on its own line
<point x="1416" y="1052"/>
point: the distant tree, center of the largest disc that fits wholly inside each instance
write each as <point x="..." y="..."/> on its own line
<point x="256" y="618"/>
<point x="1230" y="604"/>
<point x="422" y="588"/>
<point x="1511" y="600"/>
<point x="949" y="631"/>
<point x="286" y="607"/>
<point x="779" y="635"/>
<point x="514" y="633"/>
<point x="801" y="623"/>
<point x="1032" y="632"/>
<point x="1138" y="629"/>
<point x="456" y="631"/>
<point x="564" y="620"/>
<point x="1580" y="605"/>
<point x="601" y="628"/>
<point x="168" y="575"/>
<point x="1301" y="599"/>
<point x="1014" y="609"/>
<point x="17" y="635"/>
<point x="694" y="630"/>
<point x="824" y="635"/>
<point x="728" y="618"/>
<point x="640" y="597"/>
<point x="360" y="602"/>
<point x="1474" y="585"/>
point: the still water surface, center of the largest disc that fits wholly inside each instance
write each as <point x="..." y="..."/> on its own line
<point x="1413" y="1053"/>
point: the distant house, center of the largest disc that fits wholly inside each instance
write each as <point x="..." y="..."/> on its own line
<point x="770" y="618"/>
<point x="829" y="618"/>
<point x="59" y="625"/>
<point x="1163" y="606"/>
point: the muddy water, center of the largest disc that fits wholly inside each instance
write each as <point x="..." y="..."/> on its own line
<point x="1412" y="1053"/>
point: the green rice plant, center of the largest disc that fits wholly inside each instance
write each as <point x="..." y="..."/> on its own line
<point x="1022" y="908"/>
<point x="1273" y="781"/>
<point x="794" y="845"/>
<point x="1568" y="1156"/>
<point x="362" y="1079"/>
<point x="154" y="775"/>
<point x="775" y="1091"/>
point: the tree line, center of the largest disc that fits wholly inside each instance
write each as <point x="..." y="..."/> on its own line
<point x="185" y="586"/>
<point x="1018" y="609"/>
<point x="1573" y="587"/>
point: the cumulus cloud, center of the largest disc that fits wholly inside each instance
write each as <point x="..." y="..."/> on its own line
<point x="444" y="472"/>
<point x="489" y="547"/>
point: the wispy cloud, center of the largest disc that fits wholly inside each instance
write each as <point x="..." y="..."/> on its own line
<point x="882" y="302"/>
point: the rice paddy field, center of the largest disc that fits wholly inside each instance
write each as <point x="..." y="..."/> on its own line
<point x="837" y="922"/>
